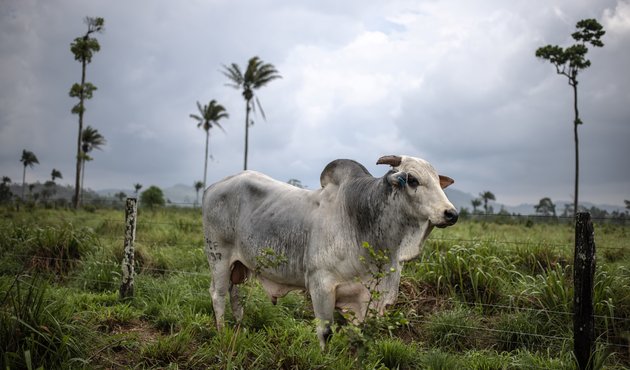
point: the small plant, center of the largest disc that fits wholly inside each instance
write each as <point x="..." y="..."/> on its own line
<point x="269" y="259"/>
<point x="374" y="324"/>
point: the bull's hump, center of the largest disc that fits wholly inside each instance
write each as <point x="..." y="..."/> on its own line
<point x="341" y="170"/>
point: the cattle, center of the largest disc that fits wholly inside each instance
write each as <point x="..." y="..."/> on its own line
<point x="319" y="234"/>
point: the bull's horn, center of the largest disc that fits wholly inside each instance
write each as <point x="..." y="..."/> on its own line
<point x="392" y="160"/>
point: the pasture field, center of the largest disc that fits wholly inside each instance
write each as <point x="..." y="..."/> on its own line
<point x="483" y="295"/>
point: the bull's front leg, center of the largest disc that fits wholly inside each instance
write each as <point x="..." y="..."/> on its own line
<point x="322" y="292"/>
<point x="388" y="289"/>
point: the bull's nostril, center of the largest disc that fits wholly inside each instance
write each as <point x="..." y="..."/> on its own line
<point x="451" y="215"/>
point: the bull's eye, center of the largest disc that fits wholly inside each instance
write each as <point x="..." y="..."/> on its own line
<point x="412" y="181"/>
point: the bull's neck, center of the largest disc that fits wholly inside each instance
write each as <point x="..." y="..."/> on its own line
<point x="374" y="208"/>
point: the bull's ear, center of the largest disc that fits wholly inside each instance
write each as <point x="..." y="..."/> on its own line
<point x="392" y="160"/>
<point x="397" y="179"/>
<point x="445" y="181"/>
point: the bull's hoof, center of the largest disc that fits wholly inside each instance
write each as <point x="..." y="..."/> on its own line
<point x="327" y="334"/>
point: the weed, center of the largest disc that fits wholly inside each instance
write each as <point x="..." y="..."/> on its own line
<point x="268" y="259"/>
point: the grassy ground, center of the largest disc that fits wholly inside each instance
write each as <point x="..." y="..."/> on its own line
<point x="483" y="295"/>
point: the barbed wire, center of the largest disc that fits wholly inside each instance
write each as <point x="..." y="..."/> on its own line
<point x="185" y="224"/>
<point x="207" y="274"/>
<point x="415" y="320"/>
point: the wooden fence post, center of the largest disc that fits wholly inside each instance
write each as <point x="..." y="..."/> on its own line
<point x="126" y="286"/>
<point x="583" y="280"/>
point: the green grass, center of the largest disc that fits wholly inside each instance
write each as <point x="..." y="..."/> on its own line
<point x="483" y="295"/>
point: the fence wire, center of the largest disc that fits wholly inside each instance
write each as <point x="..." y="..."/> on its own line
<point x="491" y="333"/>
<point x="163" y="271"/>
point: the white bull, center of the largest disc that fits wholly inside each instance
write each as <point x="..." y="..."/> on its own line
<point x="320" y="233"/>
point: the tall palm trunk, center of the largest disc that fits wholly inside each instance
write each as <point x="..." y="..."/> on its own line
<point x="77" y="183"/>
<point x="23" y="182"/>
<point x="205" y="165"/>
<point x="247" y="109"/>
<point x="82" y="177"/>
<point x="576" y="122"/>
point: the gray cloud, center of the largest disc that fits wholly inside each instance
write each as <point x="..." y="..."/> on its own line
<point x="454" y="82"/>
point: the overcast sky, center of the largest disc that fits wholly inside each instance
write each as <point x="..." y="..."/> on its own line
<point x="453" y="82"/>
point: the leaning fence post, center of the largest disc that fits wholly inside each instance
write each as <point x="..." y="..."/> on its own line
<point x="583" y="276"/>
<point x="126" y="286"/>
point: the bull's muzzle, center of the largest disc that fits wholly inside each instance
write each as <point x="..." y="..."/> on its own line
<point x="450" y="218"/>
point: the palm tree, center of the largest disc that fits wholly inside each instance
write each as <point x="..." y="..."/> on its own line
<point x="83" y="49"/>
<point x="91" y="139"/>
<point x="137" y="188"/>
<point x="209" y="114"/>
<point x="256" y="75"/>
<point x="120" y="196"/>
<point x="28" y="159"/>
<point x="546" y="207"/>
<point x="198" y="186"/>
<point x="475" y="203"/>
<point x="486" y="196"/>
<point x="55" y="174"/>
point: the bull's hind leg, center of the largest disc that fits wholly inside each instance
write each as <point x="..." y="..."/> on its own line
<point x="220" y="284"/>
<point x="238" y="275"/>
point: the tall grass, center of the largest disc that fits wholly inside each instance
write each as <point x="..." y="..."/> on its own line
<point x="482" y="296"/>
<point x="37" y="330"/>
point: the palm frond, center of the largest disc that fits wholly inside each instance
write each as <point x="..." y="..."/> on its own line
<point x="265" y="74"/>
<point x="219" y="126"/>
<point x="234" y="74"/>
<point x="29" y="158"/>
<point x="200" y="108"/>
<point x="92" y="139"/>
<point x="262" y="112"/>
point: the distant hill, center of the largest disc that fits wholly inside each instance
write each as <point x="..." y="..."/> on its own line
<point x="185" y="195"/>
<point x="461" y="200"/>
<point x="177" y="194"/>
